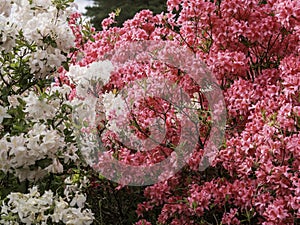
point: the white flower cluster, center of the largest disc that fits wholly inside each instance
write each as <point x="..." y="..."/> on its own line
<point x="34" y="208"/>
<point x="38" y="108"/>
<point x="89" y="81"/>
<point x="114" y="107"/>
<point x="35" y="118"/>
<point x="7" y="30"/>
<point x="88" y="104"/>
<point x="40" y="150"/>
<point x="43" y="108"/>
<point x="21" y="154"/>
<point x="88" y="78"/>
<point x="41" y="23"/>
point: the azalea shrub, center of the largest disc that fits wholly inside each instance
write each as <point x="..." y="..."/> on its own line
<point x="66" y="83"/>
<point x="252" y="49"/>
<point x="39" y="160"/>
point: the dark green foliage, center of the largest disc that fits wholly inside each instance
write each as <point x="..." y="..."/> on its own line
<point x="111" y="206"/>
<point x="128" y="9"/>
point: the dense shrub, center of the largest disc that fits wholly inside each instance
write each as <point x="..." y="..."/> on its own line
<point x="252" y="48"/>
<point x="51" y="79"/>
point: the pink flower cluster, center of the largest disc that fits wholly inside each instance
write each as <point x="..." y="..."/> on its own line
<point x="252" y="48"/>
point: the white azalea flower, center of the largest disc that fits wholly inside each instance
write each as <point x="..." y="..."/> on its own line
<point x="100" y="70"/>
<point x="3" y="113"/>
<point x="79" y="200"/>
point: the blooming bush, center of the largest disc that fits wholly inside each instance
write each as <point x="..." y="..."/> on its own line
<point x="34" y="208"/>
<point x="252" y="48"/>
<point x="38" y="147"/>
